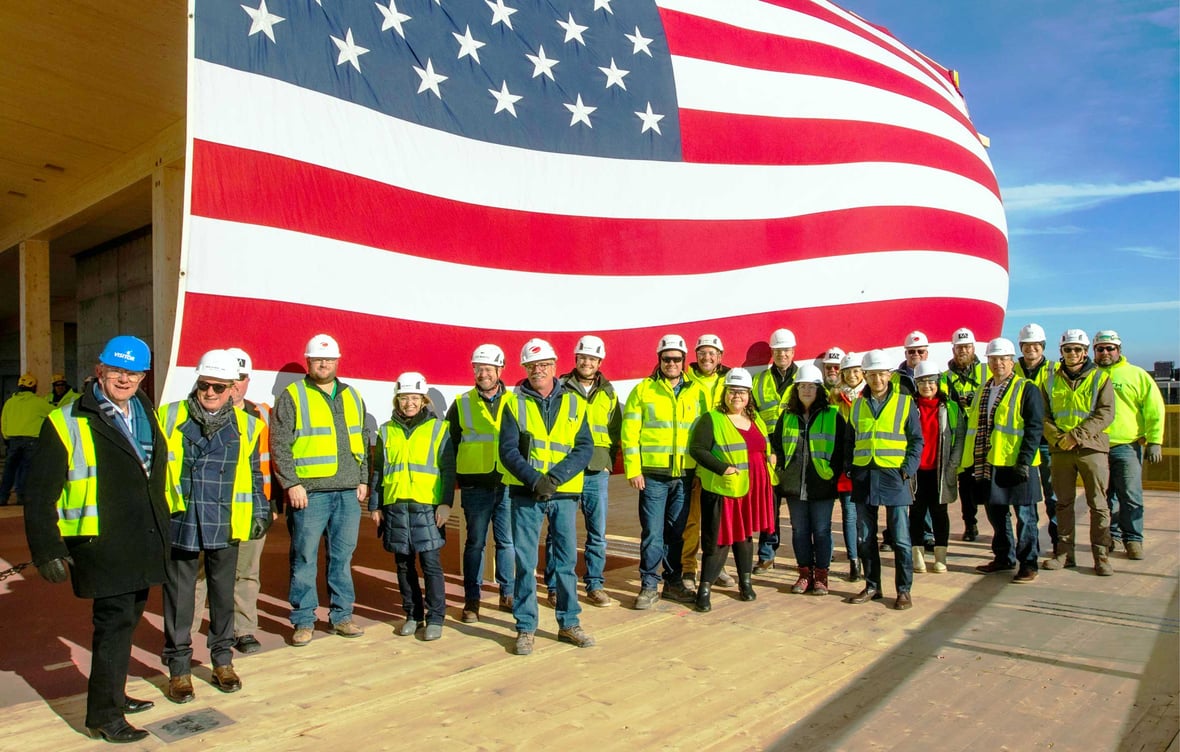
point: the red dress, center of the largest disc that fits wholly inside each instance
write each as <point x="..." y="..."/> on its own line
<point x="754" y="512"/>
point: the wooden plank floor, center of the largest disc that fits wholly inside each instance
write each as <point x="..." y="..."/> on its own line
<point x="1072" y="662"/>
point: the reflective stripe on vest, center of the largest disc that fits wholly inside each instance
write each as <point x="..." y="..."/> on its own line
<point x="767" y="399"/>
<point x="477" y="450"/>
<point x="548" y="447"/>
<point x="1071" y="406"/>
<point x="657" y="424"/>
<point x="730" y="448"/>
<point x="314" y="448"/>
<point x="882" y="439"/>
<point x="598" y="412"/>
<point x="1007" y="427"/>
<point x="77" y="506"/>
<point x="410" y="465"/>
<point x="821" y="440"/>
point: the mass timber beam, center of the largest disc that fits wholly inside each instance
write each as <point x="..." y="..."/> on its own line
<point x="167" y="219"/>
<point x="36" y="340"/>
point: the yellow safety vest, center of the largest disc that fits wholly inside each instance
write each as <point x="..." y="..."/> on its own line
<point x="821" y="440"/>
<point x="1042" y="372"/>
<point x="477" y="450"/>
<point x="598" y="412"/>
<point x="1070" y="406"/>
<point x="711" y="388"/>
<point x="172" y="417"/>
<point x="410" y="465"/>
<point x="1007" y="428"/>
<point x="882" y="439"/>
<point x="948" y="379"/>
<point x="730" y="448"/>
<point x="767" y="400"/>
<point x="656" y="427"/>
<point x="77" y="507"/>
<point x="547" y="447"/>
<point x="314" y="448"/>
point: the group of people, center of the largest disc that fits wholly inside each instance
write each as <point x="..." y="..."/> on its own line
<point x="121" y="497"/>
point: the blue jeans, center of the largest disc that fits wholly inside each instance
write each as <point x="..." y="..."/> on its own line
<point x="848" y="523"/>
<point x="866" y="538"/>
<point x="337" y="513"/>
<point x="16" y="467"/>
<point x="1125" y="495"/>
<point x="527" y="516"/>
<point x="1047" y="493"/>
<point x="768" y="542"/>
<point x="1024" y="547"/>
<point x="811" y="532"/>
<point x="594" y="505"/>
<point x="663" y="510"/>
<point x="483" y="507"/>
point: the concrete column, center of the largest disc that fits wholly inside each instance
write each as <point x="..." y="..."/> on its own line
<point x="167" y="218"/>
<point x="36" y="341"/>
<point x="58" y="361"/>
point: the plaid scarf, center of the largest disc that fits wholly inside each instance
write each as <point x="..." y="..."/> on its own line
<point x="983" y="435"/>
<point x="142" y="440"/>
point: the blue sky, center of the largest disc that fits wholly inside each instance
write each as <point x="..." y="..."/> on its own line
<point x="1080" y="102"/>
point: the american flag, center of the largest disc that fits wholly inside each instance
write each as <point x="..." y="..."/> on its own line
<point x="418" y="177"/>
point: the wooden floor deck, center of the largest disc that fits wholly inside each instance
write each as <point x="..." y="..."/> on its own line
<point x="1072" y="662"/>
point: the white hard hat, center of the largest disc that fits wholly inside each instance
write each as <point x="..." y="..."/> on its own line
<point x="245" y="365"/>
<point x="876" y="360"/>
<point x="781" y="339"/>
<point x="808" y="374"/>
<point x="410" y="382"/>
<point x="1031" y="333"/>
<point x="963" y="336"/>
<point x="1108" y="337"/>
<point x="1000" y="346"/>
<point x="916" y="339"/>
<point x="488" y="355"/>
<point x="709" y="340"/>
<point x="321" y="346"/>
<point x="927" y="368"/>
<point x="833" y="356"/>
<point x="1075" y="337"/>
<point x="672" y="342"/>
<point x="592" y="346"/>
<point x="536" y="349"/>
<point x="739" y="377"/>
<point x="218" y="364"/>
<point x="851" y="360"/>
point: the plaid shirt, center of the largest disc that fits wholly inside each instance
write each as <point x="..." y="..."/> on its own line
<point x="207" y="485"/>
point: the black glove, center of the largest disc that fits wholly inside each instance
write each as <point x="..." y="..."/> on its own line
<point x="544" y="489"/>
<point x="1010" y="477"/>
<point x="54" y="570"/>
<point x="259" y="527"/>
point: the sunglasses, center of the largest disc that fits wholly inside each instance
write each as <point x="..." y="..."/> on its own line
<point x="915" y="350"/>
<point x="204" y="386"/>
<point x="1074" y="349"/>
<point x="1105" y="348"/>
<point x="671" y="360"/>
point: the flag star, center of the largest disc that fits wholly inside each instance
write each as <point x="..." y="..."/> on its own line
<point x="614" y="76"/>
<point x="580" y="112"/>
<point x="651" y="121"/>
<point x="430" y="79"/>
<point x="501" y="13"/>
<point x="393" y="18"/>
<point x="262" y="20"/>
<point x="573" y="30"/>
<point x="468" y="45"/>
<point x="541" y="64"/>
<point x="605" y="4"/>
<point x="641" y="42"/>
<point x="505" y="100"/>
<point x="350" y="51"/>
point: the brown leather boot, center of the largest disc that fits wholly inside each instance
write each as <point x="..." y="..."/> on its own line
<point x="819" y="583"/>
<point x="1102" y="566"/>
<point x="803" y="584"/>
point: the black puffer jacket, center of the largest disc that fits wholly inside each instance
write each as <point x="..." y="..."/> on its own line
<point x="407" y="526"/>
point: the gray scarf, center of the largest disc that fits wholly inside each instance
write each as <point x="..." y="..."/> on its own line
<point x="210" y="423"/>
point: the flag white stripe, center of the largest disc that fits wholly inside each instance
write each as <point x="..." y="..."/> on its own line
<point x="262" y="114"/>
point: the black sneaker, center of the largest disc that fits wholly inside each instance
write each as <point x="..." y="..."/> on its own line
<point x="247" y="644"/>
<point x="676" y="591"/>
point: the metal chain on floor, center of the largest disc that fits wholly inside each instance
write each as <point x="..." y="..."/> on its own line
<point x="6" y="573"/>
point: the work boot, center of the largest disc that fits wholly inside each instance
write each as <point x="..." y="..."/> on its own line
<point x="1063" y="559"/>
<point x="647" y="598"/>
<point x="803" y="584"/>
<point x="819" y="581"/>
<point x="675" y="591"/>
<point x="970" y="533"/>
<point x="939" y="565"/>
<point x="746" y="587"/>
<point x="703" y="604"/>
<point x="1134" y="550"/>
<point x="470" y="613"/>
<point x="853" y="571"/>
<point x="919" y="559"/>
<point x="1102" y="566"/>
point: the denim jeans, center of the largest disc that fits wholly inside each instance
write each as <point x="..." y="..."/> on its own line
<point x="1125" y="494"/>
<point x="483" y="507"/>
<point x="337" y="513"/>
<point x="768" y="542"/>
<point x="527" y="517"/>
<point x="16" y="466"/>
<point x="811" y="532"/>
<point x="1024" y="547"/>
<point x="594" y="505"/>
<point x="1047" y="493"/>
<point x="848" y="524"/>
<point x="434" y="609"/>
<point x="870" y="555"/>
<point x="663" y="510"/>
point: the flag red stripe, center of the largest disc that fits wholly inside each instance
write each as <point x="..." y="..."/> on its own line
<point x="252" y="187"/>
<point x="375" y="347"/>
<point x="749" y="139"/>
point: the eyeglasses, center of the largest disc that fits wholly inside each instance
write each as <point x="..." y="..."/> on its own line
<point x="915" y="350"/>
<point x="543" y="365"/>
<point x="1073" y="349"/>
<point x="671" y="360"/>
<point x="317" y="361"/>
<point x="1105" y="348"/>
<point x="932" y="381"/>
<point x="123" y="373"/>
<point x="204" y="386"/>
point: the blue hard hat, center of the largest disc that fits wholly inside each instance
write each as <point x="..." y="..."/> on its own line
<point x="127" y="352"/>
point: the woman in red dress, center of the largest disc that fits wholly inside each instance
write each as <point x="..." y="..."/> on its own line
<point x="737" y="500"/>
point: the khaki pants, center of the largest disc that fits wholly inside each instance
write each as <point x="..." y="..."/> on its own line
<point x="692" y="530"/>
<point x="1094" y="468"/>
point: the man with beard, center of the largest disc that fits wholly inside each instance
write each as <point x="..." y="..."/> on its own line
<point x="963" y="377"/>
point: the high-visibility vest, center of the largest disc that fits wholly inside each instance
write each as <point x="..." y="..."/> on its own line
<point x="882" y="439"/>
<point x="711" y="387"/>
<point x="1070" y="406"/>
<point x="821" y="439"/>
<point x="172" y="417"/>
<point x="1007" y="427"/>
<point x="547" y="447"/>
<point x="598" y="412"/>
<point x="767" y="400"/>
<point x="77" y="506"/>
<point x="730" y="448"/>
<point x="264" y="446"/>
<point x="1042" y="372"/>
<point x="314" y="448"/>
<point x="66" y="398"/>
<point x="950" y="380"/>
<point x="657" y="424"/>
<point x="410" y="465"/>
<point x="477" y="453"/>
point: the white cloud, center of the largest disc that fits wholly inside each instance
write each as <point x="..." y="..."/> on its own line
<point x="1055" y="198"/>
<point x="1150" y="252"/>
<point x="1058" y="230"/>
<point x="1160" y="305"/>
